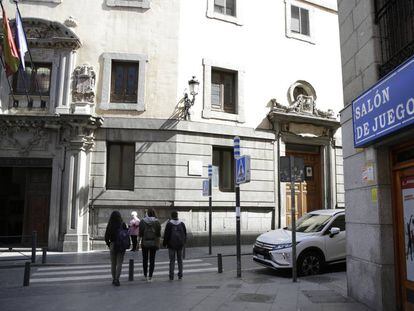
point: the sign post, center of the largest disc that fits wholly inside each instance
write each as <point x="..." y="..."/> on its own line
<point x="210" y="204"/>
<point x="236" y="142"/>
<point x="292" y="169"/>
<point x="293" y="217"/>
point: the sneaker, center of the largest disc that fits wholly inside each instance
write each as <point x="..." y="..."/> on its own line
<point x="116" y="283"/>
<point x="113" y="282"/>
<point x="180" y="277"/>
<point x="150" y="279"/>
<point x="171" y="278"/>
<point x="145" y="278"/>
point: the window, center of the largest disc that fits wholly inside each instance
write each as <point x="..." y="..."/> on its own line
<point x="124" y="82"/>
<point x="224" y="10"/>
<point x="34" y="81"/>
<point x="223" y="89"/>
<point x="223" y="161"/>
<point x="120" y="166"/>
<point x="339" y="222"/>
<point x="299" y="22"/>
<point x="226" y="7"/>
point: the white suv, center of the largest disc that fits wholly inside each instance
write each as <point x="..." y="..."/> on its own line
<point x="320" y="240"/>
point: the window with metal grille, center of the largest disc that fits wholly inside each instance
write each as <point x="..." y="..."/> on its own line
<point x="226" y="7"/>
<point x="395" y="20"/>
<point x="120" y="166"/>
<point x="34" y="80"/>
<point x="299" y="20"/>
<point x="124" y="82"/>
<point x="223" y="161"/>
<point x="223" y="90"/>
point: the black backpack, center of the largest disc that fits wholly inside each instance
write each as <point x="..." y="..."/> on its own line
<point x="150" y="236"/>
<point x="177" y="237"/>
<point x="123" y="241"/>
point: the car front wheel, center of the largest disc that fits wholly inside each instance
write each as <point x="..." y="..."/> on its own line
<point x="310" y="263"/>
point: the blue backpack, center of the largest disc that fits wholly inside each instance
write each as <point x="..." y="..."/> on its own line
<point x="123" y="242"/>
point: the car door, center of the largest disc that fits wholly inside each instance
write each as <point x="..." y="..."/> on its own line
<point x="336" y="245"/>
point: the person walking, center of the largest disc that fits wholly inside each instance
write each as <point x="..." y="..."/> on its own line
<point x="175" y="236"/>
<point x="134" y="230"/>
<point x="149" y="233"/>
<point x="112" y="240"/>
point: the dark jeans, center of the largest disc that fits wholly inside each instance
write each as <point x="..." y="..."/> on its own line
<point x="151" y="252"/>
<point x="171" y="253"/>
<point x="117" y="258"/>
<point x="134" y="239"/>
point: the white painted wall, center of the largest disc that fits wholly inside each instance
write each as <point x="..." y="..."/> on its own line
<point x="103" y="29"/>
<point x="177" y="34"/>
<point x="272" y="62"/>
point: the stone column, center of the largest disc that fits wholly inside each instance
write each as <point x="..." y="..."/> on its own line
<point x="64" y="82"/>
<point x="75" y="209"/>
<point x="77" y="236"/>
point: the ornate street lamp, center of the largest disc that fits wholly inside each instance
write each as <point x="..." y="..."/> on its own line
<point x="193" y="85"/>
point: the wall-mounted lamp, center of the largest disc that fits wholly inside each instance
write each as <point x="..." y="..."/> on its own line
<point x="193" y="85"/>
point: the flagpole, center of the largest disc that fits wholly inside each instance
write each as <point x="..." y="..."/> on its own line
<point x="28" y="50"/>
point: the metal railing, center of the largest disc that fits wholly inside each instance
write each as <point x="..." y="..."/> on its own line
<point x="395" y="20"/>
<point x="7" y="243"/>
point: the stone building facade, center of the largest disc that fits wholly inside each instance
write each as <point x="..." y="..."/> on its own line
<point x="377" y="38"/>
<point x="110" y="130"/>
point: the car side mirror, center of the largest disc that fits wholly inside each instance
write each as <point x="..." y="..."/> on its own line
<point x="334" y="231"/>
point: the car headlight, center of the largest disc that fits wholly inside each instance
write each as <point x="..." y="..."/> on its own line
<point x="281" y="246"/>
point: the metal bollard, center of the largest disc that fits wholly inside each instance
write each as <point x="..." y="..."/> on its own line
<point x="26" y="278"/>
<point x="131" y="270"/>
<point x="34" y="245"/>
<point x="219" y="263"/>
<point x="44" y="252"/>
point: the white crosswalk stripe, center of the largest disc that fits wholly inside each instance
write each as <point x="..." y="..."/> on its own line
<point x="91" y="272"/>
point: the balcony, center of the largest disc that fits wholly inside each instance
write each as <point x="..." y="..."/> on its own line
<point x="395" y="20"/>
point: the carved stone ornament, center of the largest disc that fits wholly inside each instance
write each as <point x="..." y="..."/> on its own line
<point x="24" y="133"/>
<point x="83" y="84"/>
<point x="42" y="33"/>
<point x="71" y="22"/>
<point x="23" y="136"/>
<point x="304" y="105"/>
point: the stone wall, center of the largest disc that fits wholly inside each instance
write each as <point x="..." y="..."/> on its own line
<point x="370" y="256"/>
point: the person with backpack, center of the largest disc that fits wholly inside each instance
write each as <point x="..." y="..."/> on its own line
<point x="134" y="230"/>
<point x="175" y="236"/>
<point x="149" y="233"/>
<point x="118" y="240"/>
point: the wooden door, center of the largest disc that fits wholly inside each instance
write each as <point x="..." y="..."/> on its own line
<point x="308" y="194"/>
<point x="36" y="218"/>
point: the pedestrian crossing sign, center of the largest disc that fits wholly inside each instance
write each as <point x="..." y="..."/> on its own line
<point x="243" y="169"/>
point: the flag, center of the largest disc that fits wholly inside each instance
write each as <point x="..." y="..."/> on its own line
<point x="21" y="40"/>
<point x="11" y="55"/>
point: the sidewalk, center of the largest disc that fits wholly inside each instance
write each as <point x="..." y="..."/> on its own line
<point x="258" y="289"/>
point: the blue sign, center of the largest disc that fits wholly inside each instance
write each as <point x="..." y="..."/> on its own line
<point x="386" y="107"/>
<point x="206" y="189"/>
<point x="236" y="143"/>
<point x="242" y="169"/>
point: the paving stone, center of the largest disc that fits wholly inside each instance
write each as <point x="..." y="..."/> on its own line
<point x="321" y="296"/>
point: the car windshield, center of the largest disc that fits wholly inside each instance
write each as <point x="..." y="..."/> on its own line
<point x="311" y="223"/>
